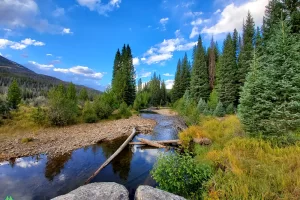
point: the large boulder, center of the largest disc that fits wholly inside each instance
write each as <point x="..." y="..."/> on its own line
<point x="149" y="193"/>
<point x="96" y="191"/>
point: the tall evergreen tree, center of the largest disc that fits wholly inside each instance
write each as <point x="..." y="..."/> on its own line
<point x="272" y="16"/>
<point x="117" y="65"/>
<point x="14" y="95"/>
<point x="140" y="85"/>
<point x="164" y="97"/>
<point x="226" y="73"/>
<point x="235" y="39"/>
<point x="185" y="75"/>
<point x="212" y="59"/>
<point x="177" y="83"/>
<point x="270" y="98"/>
<point x="200" y="78"/>
<point x="246" y="53"/>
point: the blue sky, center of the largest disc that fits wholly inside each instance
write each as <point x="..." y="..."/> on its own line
<point x="76" y="40"/>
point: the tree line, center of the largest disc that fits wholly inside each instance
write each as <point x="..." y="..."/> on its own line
<point x="256" y="74"/>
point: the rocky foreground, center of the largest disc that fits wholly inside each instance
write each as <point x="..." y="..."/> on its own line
<point x="55" y="141"/>
<point x="114" y="191"/>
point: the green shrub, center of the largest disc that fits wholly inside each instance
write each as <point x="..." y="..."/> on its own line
<point x="213" y="100"/>
<point x="202" y="106"/>
<point x="88" y="113"/>
<point x="230" y="109"/>
<point x="181" y="175"/>
<point x="4" y="109"/>
<point x="39" y="116"/>
<point x="124" y="111"/>
<point x="105" y="104"/>
<point x="219" y="111"/>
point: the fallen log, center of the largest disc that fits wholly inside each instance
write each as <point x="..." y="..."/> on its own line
<point x="160" y="142"/>
<point x="112" y="156"/>
<point x="151" y="143"/>
<point x="202" y="141"/>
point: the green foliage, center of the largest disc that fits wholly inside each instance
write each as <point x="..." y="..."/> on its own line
<point x="230" y="109"/>
<point x="105" y="104"/>
<point x="124" y="111"/>
<point x="202" y="106"/>
<point x="4" y="109"/>
<point x="141" y="101"/>
<point x="88" y="113"/>
<point x="200" y="87"/>
<point x="179" y="174"/>
<point x="83" y="95"/>
<point x="63" y="108"/>
<point x="14" y="95"/>
<point x="26" y="140"/>
<point x="219" y="111"/>
<point x="213" y="100"/>
<point x="40" y="117"/>
<point x="270" y="99"/>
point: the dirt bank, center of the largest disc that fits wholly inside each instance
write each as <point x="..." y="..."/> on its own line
<point x="53" y="141"/>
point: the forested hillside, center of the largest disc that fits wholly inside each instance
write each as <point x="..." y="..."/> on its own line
<point x="31" y="83"/>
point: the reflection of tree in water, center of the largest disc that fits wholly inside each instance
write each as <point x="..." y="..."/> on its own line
<point x="55" y="165"/>
<point x="121" y="163"/>
<point x="12" y="162"/>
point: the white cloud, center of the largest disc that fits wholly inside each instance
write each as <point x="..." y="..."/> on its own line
<point x="41" y="66"/>
<point x="58" y="12"/>
<point x="164" y="50"/>
<point x="49" y="54"/>
<point x="167" y="74"/>
<point x="195" y="32"/>
<point x="192" y="14"/>
<point x="20" y="162"/>
<point x="217" y="11"/>
<point x="145" y="74"/>
<point x="163" y="22"/>
<point x="169" y="84"/>
<point x="66" y="31"/>
<point x="0" y="54"/>
<point x="19" y="45"/>
<point x="196" y="22"/>
<point x="81" y="70"/>
<point x="136" y="61"/>
<point x="101" y="8"/>
<point x="233" y="15"/>
<point x="7" y="29"/>
<point x="177" y="33"/>
<point x="143" y="59"/>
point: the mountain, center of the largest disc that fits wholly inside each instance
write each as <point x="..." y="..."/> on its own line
<point x="32" y="84"/>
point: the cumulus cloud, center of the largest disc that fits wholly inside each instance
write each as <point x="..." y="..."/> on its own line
<point x="41" y="66"/>
<point x="58" y="12"/>
<point x="217" y="11"/>
<point x="197" y="22"/>
<point x="136" y="61"/>
<point x="19" y="45"/>
<point x="233" y="15"/>
<point x="24" y="13"/>
<point x="66" y="31"/>
<point x="20" y="162"/>
<point x="163" y="22"/>
<point x="145" y="74"/>
<point x="81" y="70"/>
<point x="101" y="8"/>
<point x="167" y="74"/>
<point x="192" y="14"/>
<point x="164" y="50"/>
<point x="49" y="54"/>
<point x="169" y="84"/>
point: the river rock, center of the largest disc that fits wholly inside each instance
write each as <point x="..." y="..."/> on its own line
<point x="144" y="192"/>
<point x="96" y="191"/>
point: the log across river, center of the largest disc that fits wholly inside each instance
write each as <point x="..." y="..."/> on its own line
<point x="42" y="177"/>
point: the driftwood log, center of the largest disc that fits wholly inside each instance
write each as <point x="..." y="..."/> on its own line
<point x="151" y="143"/>
<point x="202" y="141"/>
<point x="112" y="156"/>
<point x="160" y="142"/>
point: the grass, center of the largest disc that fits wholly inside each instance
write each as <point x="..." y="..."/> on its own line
<point x="26" y="140"/>
<point x="245" y="167"/>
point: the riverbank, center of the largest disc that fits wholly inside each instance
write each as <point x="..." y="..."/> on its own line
<point x="57" y="141"/>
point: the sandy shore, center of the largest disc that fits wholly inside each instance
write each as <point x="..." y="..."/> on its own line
<point x="55" y="141"/>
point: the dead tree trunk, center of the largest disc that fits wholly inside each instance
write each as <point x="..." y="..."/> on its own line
<point x="151" y="143"/>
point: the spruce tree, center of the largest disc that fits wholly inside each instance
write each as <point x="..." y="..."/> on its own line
<point x="226" y="73"/>
<point x="212" y="59"/>
<point x="235" y="40"/>
<point x="83" y="95"/>
<point x="246" y="53"/>
<point x="270" y="98"/>
<point x="164" y="98"/>
<point x="117" y="65"/>
<point x="140" y="85"/>
<point x="219" y="111"/>
<point x="202" y="106"/>
<point x="200" y="78"/>
<point x="177" y="83"/>
<point x="14" y="95"/>
<point x="213" y="100"/>
<point x="185" y="75"/>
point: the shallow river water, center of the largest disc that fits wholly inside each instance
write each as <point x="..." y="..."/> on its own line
<point x="39" y="177"/>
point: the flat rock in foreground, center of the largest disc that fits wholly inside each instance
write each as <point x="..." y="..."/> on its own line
<point x="144" y="192"/>
<point x="96" y="191"/>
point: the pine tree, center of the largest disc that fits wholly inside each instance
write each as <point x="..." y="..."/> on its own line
<point x="270" y="98"/>
<point x="14" y="95"/>
<point x="177" y="83"/>
<point x="117" y="65"/>
<point x="164" y="98"/>
<point x="235" y="40"/>
<point x="219" y="111"/>
<point x="226" y="73"/>
<point x="185" y="75"/>
<point x="200" y="78"/>
<point x="83" y="95"/>
<point x="212" y="64"/>
<point x="140" y="85"/>
<point x="202" y="106"/>
<point x="131" y="78"/>
<point x="258" y="42"/>
<point x="213" y="100"/>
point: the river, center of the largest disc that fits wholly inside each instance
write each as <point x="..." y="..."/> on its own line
<point x="40" y="177"/>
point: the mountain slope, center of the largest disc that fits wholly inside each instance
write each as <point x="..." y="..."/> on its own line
<point x="32" y="84"/>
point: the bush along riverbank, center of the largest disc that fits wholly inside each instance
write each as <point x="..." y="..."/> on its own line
<point x="234" y="166"/>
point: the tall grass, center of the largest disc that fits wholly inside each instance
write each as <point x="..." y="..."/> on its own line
<point x="245" y="167"/>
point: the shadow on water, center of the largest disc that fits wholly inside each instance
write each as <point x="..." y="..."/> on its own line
<point x="40" y="177"/>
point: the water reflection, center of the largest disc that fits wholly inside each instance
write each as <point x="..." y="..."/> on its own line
<point x="55" y="165"/>
<point x="42" y="177"/>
